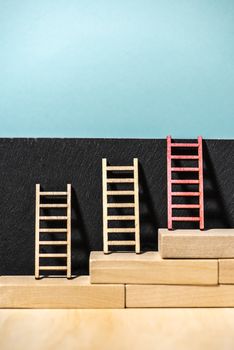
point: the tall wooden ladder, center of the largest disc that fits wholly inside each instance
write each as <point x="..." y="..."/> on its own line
<point x="42" y="232"/>
<point x="111" y="200"/>
<point x="196" y="149"/>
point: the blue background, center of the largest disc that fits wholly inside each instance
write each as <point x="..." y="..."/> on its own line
<point x="121" y="68"/>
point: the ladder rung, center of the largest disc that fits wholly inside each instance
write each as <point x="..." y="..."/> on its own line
<point x="121" y="243"/>
<point x="186" y="218"/>
<point x="52" y="242"/>
<point x="185" y="181"/>
<point x="184" y="144"/>
<point x="185" y="193"/>
<point x="53" y="193"/>
<point x="121" y="230"/>
<point x="53" y="205"/>
<point x="184" y="169"/>
<point x="184" y="157"/>
<point x="48" y="255"/>
<point x="53" y="217"/>
<point x="120" y="217"/>
<point x="49" y="230"/>
<point x="120" y="193"/>
<point x="52" y="267"/>
<point x="119" y="168"/>
<point x="185" y="206"/>
<point x="119" y="180"/>
<point x="120" y="205"/>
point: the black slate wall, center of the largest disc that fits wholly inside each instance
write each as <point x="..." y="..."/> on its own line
<point x="55" y="162"/>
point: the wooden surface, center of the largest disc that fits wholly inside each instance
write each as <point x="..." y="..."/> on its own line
<point x="26" y="292"/>
<point x="226" y="271"/>
<point x="148" y="329"/>
<point x="214" y="243"/>
<point x="150" y="268"/>
<point x="179" y="296"/>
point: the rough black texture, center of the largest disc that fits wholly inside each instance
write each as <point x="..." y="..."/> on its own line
<point x="55" y="162"/>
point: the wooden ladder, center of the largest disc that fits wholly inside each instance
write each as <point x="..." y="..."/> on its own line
<point x="107" y="194"/>
<point x="42" y="232"/>
<point x="188" y="170"/>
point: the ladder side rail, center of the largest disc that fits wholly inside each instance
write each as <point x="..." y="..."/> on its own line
<point x="37" y="232"/>
<point x="201" y="185"/>
<point x="136" y="204"/>
<point x="169" y="184"/>
<point x="104" y="205"/>
<point x="68" y="230"/>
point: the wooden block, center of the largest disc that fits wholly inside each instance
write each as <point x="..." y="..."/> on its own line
<point x="149" y="268"/>
<point x="215" y="243"/>
<point x="226" y="271"/>
<point x="179" y="296"/>
<point x="58" y="293"/>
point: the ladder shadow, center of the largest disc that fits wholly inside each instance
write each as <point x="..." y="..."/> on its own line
<point x="80" y="246"/>
<point x="215" y="206"/>
<point x="149" y="222"/>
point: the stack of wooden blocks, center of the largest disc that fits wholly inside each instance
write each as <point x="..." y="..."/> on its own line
<point x="193" y="268"/>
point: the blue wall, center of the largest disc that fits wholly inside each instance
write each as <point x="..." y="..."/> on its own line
<point x="103" y="68"/>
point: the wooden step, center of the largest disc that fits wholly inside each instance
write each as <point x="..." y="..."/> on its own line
<point x="120" y="168"/>
<point x="52" y="217"/>
<point x="52" y="230"/>
<point x="150" y="268"/>
<point x="54" y="255"/>
<point x="53" y="205"/>
<point x="52" y="242"/>
<point x="120" y="205"/>
<point x="120" y="180"/>
<point x="120" y="217"/>
<point x="121" y="243"/>
<point x="121" y="230"/>
<point x="53" y="268"/>
<point x="53" y="193"/>
<point x="179" y="296"/>
<point x="120" y="193"/>
<point x="59" y="293"/>
<point x="214" y="243"/>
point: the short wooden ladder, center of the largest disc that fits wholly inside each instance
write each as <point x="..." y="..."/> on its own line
<point x="171" y="170"/>
<point x="119" y="177"/>
<point x="42" y="232"/>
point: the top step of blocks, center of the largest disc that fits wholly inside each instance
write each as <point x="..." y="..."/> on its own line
<point x="196" y="244"/>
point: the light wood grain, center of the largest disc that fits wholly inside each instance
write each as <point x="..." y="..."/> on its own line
<point x="149" y="268"/>
<point x="138" y="329"/>
<point x="179" y="296"/>
<point x="26" y="292"/>
<point x="38" y="231"/>
<point x="214" y="243"/>
<point x="118" y="218"/>
<point x="226" y="271"/>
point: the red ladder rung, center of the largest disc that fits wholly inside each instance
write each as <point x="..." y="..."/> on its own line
<point x="184" y="157"/>
<point x="185" y="218"/>
<point x="185" y="181"/>
<point x="184" y="169"/>
<point x="184" y="144"/>
<point x="185" y="206"/>
<point x="185" y="193"/>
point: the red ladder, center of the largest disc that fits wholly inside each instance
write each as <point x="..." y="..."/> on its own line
<point x="199" y="182"/>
